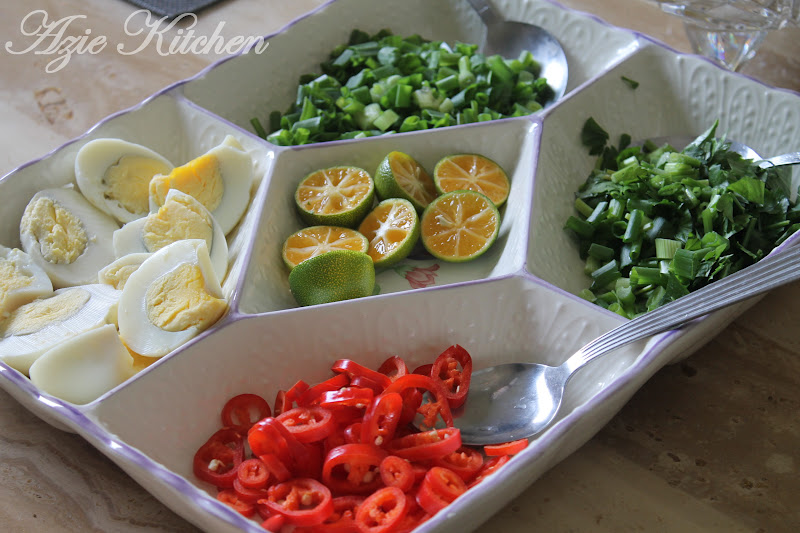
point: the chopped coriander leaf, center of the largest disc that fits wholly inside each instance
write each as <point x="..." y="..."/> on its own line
<point x="593" y="136"/>
<point x="382" y="83"/>
<point x="654" y="223"/>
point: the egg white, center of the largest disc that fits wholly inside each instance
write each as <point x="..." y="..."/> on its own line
<point x="109" y="275"/>
<point x="236" y="171"/>
<point x="34" y="282"/>
<point x="128" y="239"/>
<point x="84" y="367"/>
<point x="20" y="347"/>
<point x="136" y="330"/>
<point x="91" y="165"/>
<point x="98" y="227"/>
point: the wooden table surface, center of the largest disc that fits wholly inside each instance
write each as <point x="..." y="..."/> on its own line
<point x="710" y="444"/>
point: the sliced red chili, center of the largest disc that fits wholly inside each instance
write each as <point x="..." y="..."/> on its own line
<point x="453" y="369"/>
<point x="393" y="367"/>
<point x="302" y="501"/>
<point x="351" y="396"/>
<point x="382" y="511"/>
<point x="244" y="410"/>
<point x="397" y="472"/>
<point x="489" y="467"/>
<point x="352" y="433"/>
<point x="414" y="517"/>
<point x="342" y="520"/>
<point x="506" y="448"/>
<point x="353" y="369"/>
<point x="412" y="400"/>
<point x="353" y="468"/>
<point x="264" y="438"/>
<point x="276" y="468"/>
<point x="281" y="403"/>
<point x="274" y="522"/>
<point x="286" y="400"/>
<point x="361" y="381"/>
<point x="465" y="461"/>
<point x="424" y="370"/>
<point x="218" y="459"/>
<point x="308" y="424"/>
<point x="229" y="497"/>
<point x="426" y="445"/>
<point x="253" y="473"/>
<point x="381" y="419"/>
<point x="439" y="488"/>
<point x="312" y="395"/>
<point x="431" y="411"/>
<point x="248" y="495"/>
<point x="420" y="469"/>
<point x="271" y="437"/>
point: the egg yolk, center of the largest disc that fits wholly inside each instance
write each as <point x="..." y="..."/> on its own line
<point x="182" y="217"/>
<point x="118" y="277"/>
<point x="60" y="234"/>
<point x="178" y="300"/>
<point x="127" y="182"/>
<point x="199" y="178"/>
<point x="37" y="314"/>
<point x="11" y="279"/>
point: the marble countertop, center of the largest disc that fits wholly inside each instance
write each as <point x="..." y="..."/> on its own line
<point x="708" y="444"/>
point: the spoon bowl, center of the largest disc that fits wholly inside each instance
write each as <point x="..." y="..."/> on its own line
<point x="515" y="401"/>
<point x="509" y="39"/>
<point x="790" y="158"/>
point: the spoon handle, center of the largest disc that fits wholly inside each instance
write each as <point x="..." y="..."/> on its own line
<point x="770" y="272"/>
<point x="792" y="158"/>
<point x="485" y="11"/>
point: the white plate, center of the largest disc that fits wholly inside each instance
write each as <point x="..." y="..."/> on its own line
<point x="517" y="303"/>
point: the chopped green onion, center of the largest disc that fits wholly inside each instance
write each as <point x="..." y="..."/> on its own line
<point x="605" y="275"/>
<point x="673" y="221"/>
<point x="407" y="76"/>
<point x="665" y="248"/>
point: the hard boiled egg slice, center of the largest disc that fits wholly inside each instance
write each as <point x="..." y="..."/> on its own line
<point x="220" y="179"/>
<point x="172" y="297"/>
<point x="114" y="175"/>
<point x="21" y="280"/>
<point x="85" y="367"/>
<point x="67" y="236"/>
<point x="35" y="327"/>
<point x="116" y="274"/>
<point x="180" y="217"/>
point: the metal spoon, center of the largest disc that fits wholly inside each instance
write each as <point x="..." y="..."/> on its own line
<point x="791" y="158"/>
<point x="517" y="400"/>
<point x="509" y="38"/>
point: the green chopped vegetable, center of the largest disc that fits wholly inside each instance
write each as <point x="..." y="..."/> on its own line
<point x="384" y="83"/>
<point x="654" y="223"/>
<point x="633" y="84"/>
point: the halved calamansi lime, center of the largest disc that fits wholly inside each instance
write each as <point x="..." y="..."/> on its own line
<point x="459" y="226"/>
<point x="472" y="172"/>
<point x="336" y="196"/>
<point x="315" y="240"/>
<point x="392" y="229"/>
<point x="400" y="176"/>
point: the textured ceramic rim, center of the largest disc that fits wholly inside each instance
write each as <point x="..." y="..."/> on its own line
<point x="121" y="452"/>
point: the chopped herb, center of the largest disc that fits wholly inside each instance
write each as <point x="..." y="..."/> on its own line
<point x="633" y="84"/>
<point x="654" y="223"/>
<point x="383" y="83"/>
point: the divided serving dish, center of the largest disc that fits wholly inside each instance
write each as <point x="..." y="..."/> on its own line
<point x="516" y="303"/>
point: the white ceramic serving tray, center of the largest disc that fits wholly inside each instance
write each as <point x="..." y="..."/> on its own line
<point x="516" y="303"/>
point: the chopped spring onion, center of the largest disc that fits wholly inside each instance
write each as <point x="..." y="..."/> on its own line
<point x="654" y="223"/>
<point x="412" y="84"/>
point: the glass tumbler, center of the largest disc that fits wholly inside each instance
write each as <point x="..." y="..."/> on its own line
<point x="730" y="31"/>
